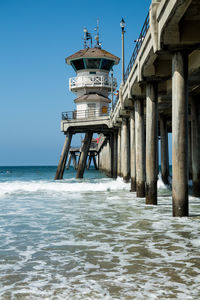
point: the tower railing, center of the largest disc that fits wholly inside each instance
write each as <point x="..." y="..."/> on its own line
<point x="92" y="81"/>
<point x="86" y="114"/>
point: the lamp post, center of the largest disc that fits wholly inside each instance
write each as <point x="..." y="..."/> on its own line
<point x="122" y="25"/>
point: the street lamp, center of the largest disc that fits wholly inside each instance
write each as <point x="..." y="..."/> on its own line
<point x="122" y="25"/>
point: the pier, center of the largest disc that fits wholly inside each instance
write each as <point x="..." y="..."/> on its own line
<point x="159" y="94"/>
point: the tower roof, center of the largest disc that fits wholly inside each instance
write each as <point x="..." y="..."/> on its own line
<point x="92" y="53"/>
<point x="92" y="97"/>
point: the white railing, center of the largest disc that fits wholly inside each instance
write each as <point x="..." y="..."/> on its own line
<point x="92" y="81"/>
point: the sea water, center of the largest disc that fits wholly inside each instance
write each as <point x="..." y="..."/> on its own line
<point x="93" y="239"/>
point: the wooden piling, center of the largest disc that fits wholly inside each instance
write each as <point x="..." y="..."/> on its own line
<point x="84" y="154"/>
<point x="140" y="148"/>
<point x="180" y="134"/>
<point x="132" y="151"/>
<point x="151" y="143"/>
<point x="63" y="157"/>
<point x="195" y="126"/>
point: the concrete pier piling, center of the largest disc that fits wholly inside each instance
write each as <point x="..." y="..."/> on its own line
<point x="89" y="161"/>
<point x="140" y="147"/>
<point x="95" y="162"/>
<point x="180" y="134"/>
<point x="114" y="156"/>
<point x="195" y="128"/>
<point x="119" y="152"/>
<point x="132" y="151"/>
<point x="151" y="143"/>
<point x="69" y="161"/>
<point x="84" y="154"/>
<point x="63" y="157"/>
<point x="111" y="158"/>
<point x="189" y="150"/>
<point x="74" y="161"/>
<point x="124" y="150"/>
<point x="164" y="150"/>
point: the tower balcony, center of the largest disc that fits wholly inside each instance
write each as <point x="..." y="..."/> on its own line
<point x="93" y="81"/>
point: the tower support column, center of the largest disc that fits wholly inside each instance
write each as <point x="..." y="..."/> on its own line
<point x="140" y="148"/>
<point x="195" y="126"/>
<point x="63" y="157"/>
<point x="180" y="134"/>
<point x="84" y="154"/>
<point x="151" y="143"/>
<point x="124" y="150"/>
<point x="164" y="150"/>
<point x="132" y="150"/>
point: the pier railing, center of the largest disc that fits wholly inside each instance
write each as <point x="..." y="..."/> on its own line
<point x="92" y="81"/>
<point x="85" y="114"/>
<point x="138" y="45"/>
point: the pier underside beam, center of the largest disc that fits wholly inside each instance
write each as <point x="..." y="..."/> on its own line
<point x="195" y="126"/>
<point x="84" y="154"/>
<point x="151" y="143"/>
<point x="140" y="148"/>
<point x="164" y="150"/>
<point x="132" y="151"/>
<point x="63" y="157"/>
<point x="180" y="134"/>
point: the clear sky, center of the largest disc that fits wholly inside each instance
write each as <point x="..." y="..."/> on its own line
<point x="36" y="36"/>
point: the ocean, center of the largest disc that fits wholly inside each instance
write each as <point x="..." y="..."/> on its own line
<point x="93" y="239"/>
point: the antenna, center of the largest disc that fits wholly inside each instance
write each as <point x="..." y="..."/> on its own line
<point x="98" y="44"/>
<point x="87" y="36"/>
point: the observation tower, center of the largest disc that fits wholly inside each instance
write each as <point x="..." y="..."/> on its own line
<point x="94" y="90"/>
<point x="92" y="84"/>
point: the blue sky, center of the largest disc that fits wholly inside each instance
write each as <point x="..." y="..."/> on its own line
<point x="36" y="36"/>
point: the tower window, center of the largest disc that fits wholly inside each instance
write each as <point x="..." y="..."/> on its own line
<point x="106" y="64"/>
<point x="78" y="64"/>
<point x="93" y="63"/>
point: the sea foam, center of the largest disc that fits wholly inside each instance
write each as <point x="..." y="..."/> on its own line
<point x="67" y="185"/>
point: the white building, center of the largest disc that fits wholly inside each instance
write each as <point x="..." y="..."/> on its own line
<point x="92" y="84"/>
